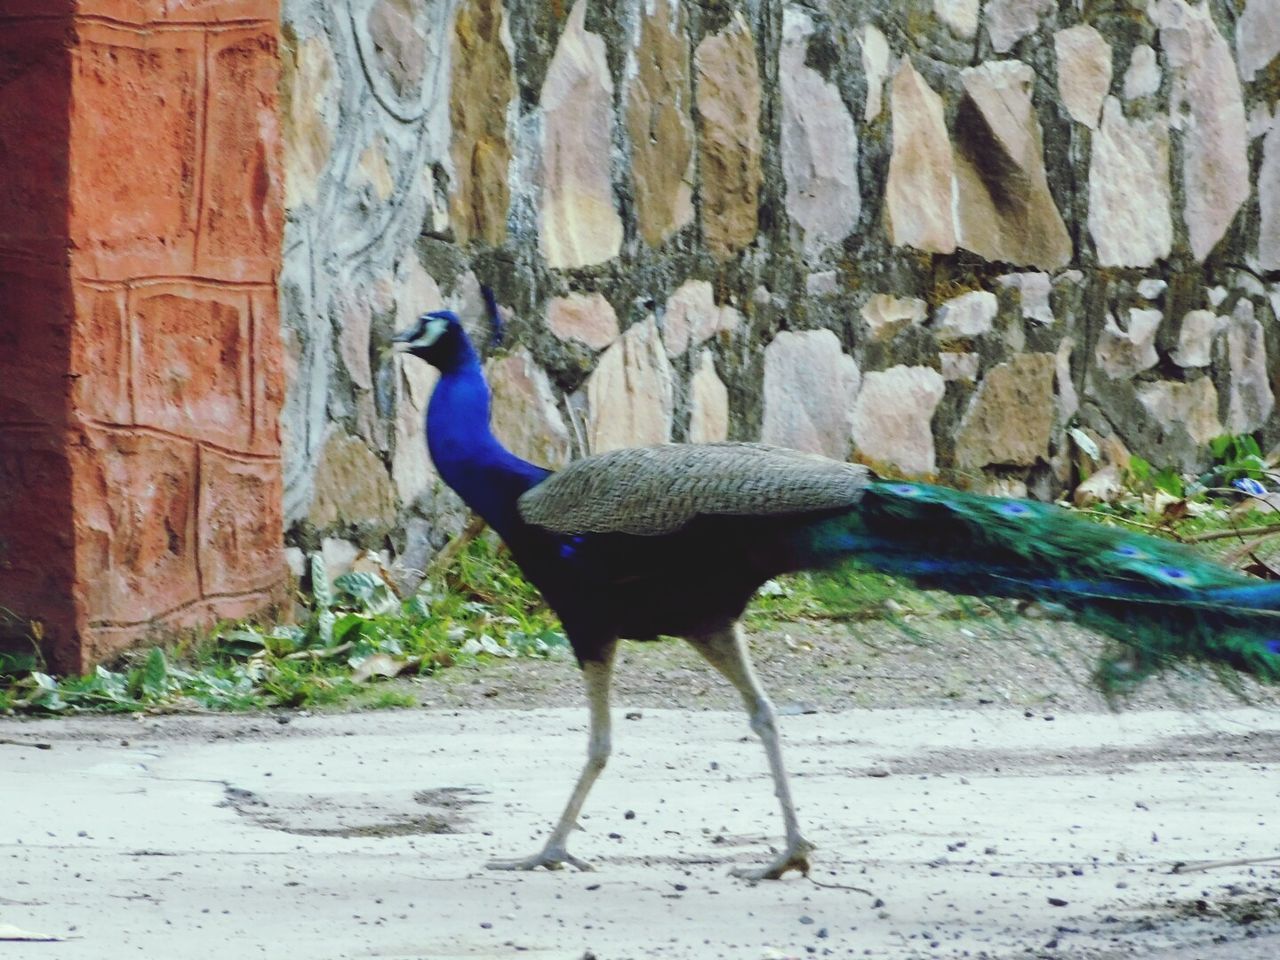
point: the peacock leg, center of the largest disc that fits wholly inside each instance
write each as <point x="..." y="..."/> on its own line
<point x="597" y="676"/>
<point x="726" y="651"/>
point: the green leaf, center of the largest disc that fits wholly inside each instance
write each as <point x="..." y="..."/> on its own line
<point x="348" y="627"/>
<point x="368" y="590"/>
<point x="418" y="606"/>
<point x="324" y="624"/>
<point x="1169" y="481"/>
<point x="155" y="675"/>
<point x="242" y="643"/>
<point x="320" y="588"/>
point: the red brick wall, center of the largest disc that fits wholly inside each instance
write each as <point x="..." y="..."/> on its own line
<point x="140" y="479"/>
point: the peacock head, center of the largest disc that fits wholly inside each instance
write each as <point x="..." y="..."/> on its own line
<point x="438" y="338"/>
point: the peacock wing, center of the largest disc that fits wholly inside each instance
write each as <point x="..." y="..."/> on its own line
<point x="651" y="491"/>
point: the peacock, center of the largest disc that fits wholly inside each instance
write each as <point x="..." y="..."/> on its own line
<point x="674" y="540"/>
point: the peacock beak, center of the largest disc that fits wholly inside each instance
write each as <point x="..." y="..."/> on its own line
<point x="401" y="340"/>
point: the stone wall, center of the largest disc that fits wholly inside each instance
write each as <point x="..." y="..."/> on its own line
<point x="930" y="235"/>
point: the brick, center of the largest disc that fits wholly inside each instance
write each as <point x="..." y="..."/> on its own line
<point x="243" y="214"/>
<point x="269" y="375"/>
<point x="35" y="71"/>
<point x="35" y="325"/>
<point x="135" y="524"/>
<point x="99" y="361"/>
<point x="241" y="526"/>
<point x="192" y="363"/>
<point x="133" y="181"/>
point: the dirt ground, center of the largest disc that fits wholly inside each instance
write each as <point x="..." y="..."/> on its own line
<point x="980" y="797"/>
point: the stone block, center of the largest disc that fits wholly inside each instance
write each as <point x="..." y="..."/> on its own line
<point x="1004" y="210"/>
<point x="135" y="498"/>
<point x="819" y="145"/>
<point x="630" y="395"/>
<point x="578" y="221"/>
<point x="971" y="314"/>
<point x="809" y="390"/>
<point x="886" y="315"/>
<point x="309" y="110"/>
<point x="659" y="122"/>
<point x="1123" y="353"/>
<point x="918" y="195"/>
<point x="1257" y="36"/>
<point x="1176" y="407"/>
<point x="1008" y="21"/>
<point x="242" y="211"/>
<point x="1269" y="199"/>
<point x="192" y="356"/>
<point x="1142" y="79"/>
<point x="988" y="435"/>
<point x="240" y="529"/>
<point x="960" y="16"/>
<point x="692" y="317"/>
<point x="1251" y="400"/>
<point x="1084" y="72"/>
<point x="1195" y="338"/>
<point x="479" y="97"/>
<point x="351" y="486"/>
<point x="875" y="64"/>
<point x="134" y="197"/>
<point x="1129" y="217"/>
<point x="585" y="317"/>
<point x="708" y="404"/>
<point x="411" y="467"/>
<point x="1207" y="105"/>
<point x="399" y="45"/>
<point x="893" y="418"/>
<point x="730" y="143"/>
<point x="525" y="417"/>
<point x="99" y="362"/>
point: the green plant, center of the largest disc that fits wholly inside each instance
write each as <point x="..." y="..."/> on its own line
<point x="357" y="630"/>
<point x="1238" y="457"/>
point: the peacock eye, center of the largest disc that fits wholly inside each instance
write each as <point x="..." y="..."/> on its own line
<point x="1014" y="509"/>
<point x="1273" y="646"/>
<point x="1173" y="573"/>
<point x="904" y="489"/>
<point x="1126" y="550"/>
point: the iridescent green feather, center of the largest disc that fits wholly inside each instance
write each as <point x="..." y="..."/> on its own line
<point x="1161" y="600"/>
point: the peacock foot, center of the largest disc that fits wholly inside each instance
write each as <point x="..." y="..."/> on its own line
<point x="551" y="857"/>
<point x="795" y="857"/>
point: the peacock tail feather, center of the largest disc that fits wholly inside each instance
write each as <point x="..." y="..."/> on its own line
<point x="1163" y="602"/>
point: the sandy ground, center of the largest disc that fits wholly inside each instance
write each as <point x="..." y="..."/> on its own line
<point x="1001" y="815"/>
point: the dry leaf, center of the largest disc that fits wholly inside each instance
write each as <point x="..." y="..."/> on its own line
<point x="383" y="665"/>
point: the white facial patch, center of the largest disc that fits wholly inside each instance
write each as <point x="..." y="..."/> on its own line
<point x="432" y="332"/>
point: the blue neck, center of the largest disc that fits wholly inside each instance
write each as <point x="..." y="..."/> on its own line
<point x="469" y="458"/>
